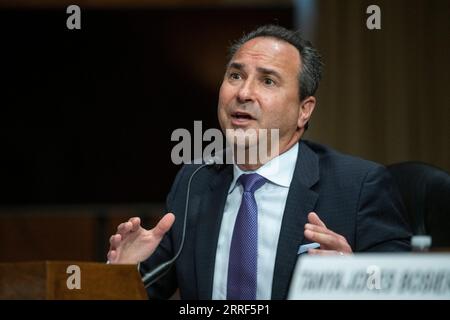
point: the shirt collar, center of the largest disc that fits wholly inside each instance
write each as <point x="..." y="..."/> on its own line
<point x="278" y="171"/>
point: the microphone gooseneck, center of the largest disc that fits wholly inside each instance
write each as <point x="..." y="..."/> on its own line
<point x="154" y="275"/>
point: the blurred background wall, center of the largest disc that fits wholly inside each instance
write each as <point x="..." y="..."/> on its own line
<point x="385" y="93"/>
<point x="86" y="115"/>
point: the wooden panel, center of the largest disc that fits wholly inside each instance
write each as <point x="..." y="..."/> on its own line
<point x="98" y="281"/>
<point x="22" y="281"/>
<point x="48" y="280"/>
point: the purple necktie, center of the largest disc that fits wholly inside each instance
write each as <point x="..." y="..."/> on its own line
<point x="242" y="264"/>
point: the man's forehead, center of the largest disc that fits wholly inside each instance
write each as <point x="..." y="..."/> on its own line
<point x="268" y="49"/>
<point x="265" y="43"/>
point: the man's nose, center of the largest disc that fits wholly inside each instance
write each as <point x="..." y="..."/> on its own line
<point x="246" y="92"/>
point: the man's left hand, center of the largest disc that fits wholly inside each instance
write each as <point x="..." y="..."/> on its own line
<point x="330" y="242"/>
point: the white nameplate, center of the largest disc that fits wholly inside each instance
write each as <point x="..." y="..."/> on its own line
<point x="372" y="276"/>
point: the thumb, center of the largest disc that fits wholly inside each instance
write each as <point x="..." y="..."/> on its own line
<point x="164" y="225"/>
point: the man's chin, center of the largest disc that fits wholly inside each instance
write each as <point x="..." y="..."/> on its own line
<point x="244" y="146"/>
<point x="240" y="138"/>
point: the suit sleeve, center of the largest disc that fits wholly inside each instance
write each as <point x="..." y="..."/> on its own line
<point x="166" y="286"/>
<point x="381" y="224"/>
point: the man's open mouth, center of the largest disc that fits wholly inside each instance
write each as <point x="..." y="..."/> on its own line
<point x="242" y="116"/>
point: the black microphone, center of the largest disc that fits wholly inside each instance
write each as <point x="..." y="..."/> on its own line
<point x="154" y="275"/>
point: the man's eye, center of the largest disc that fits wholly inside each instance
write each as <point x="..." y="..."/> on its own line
<point x="235" y="76"/>
<point x="269" y="82"/>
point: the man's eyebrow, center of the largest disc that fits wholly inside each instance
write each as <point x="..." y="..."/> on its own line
<point x="266" y="71"/>
<point x="236" y="65"/>
<point x="269" y="72"/>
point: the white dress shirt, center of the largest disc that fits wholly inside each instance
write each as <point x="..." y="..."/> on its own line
<point x="271" y="200"/>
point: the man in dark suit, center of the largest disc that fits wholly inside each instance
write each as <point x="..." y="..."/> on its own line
<point x="246" y="221"/>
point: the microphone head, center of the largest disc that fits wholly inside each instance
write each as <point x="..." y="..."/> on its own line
<point x="219" y="158"/>
<point x="210" y="161"/>
<point x="215" y="161"/>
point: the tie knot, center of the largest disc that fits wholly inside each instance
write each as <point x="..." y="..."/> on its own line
<point x="251" y="182"/>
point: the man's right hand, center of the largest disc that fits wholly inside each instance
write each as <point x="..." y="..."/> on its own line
<point x="133" y="244"/>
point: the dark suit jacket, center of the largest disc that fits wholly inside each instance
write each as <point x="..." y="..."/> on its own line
<point x="354" y="197"/>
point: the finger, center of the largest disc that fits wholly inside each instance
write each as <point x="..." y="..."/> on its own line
<point x="317" y="228"/>
<point x="320" y="229"/>
<point x="163" y="225"/>
<point x="112" y="255"/>
<point x="313" y="251"/>
<point x="320" y="252"/>
<point x="120" y="227"/>
<point x="124" y="228"/>
<point x="135" y="223"/>
<point x="314" y="219"/>
<point x="326" y="240"/>
<point x="115" y="241"/>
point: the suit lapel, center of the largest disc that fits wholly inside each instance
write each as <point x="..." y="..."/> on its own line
<point x="300" y="201"/>
<point x="208" y="228"/>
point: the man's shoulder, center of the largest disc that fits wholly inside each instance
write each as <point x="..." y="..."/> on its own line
<point x="337" y="162"/>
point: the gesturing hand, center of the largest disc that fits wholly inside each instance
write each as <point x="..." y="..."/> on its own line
<point x="330" y="242"/>
<point x="133" y="244"/>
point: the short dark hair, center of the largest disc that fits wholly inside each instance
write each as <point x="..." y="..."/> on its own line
<point x="311" y="71"/>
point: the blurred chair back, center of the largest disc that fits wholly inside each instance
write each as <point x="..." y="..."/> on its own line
<point x="426" y="194"/>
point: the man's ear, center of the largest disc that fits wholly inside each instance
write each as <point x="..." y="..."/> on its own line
<point x="307" y="106"/>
